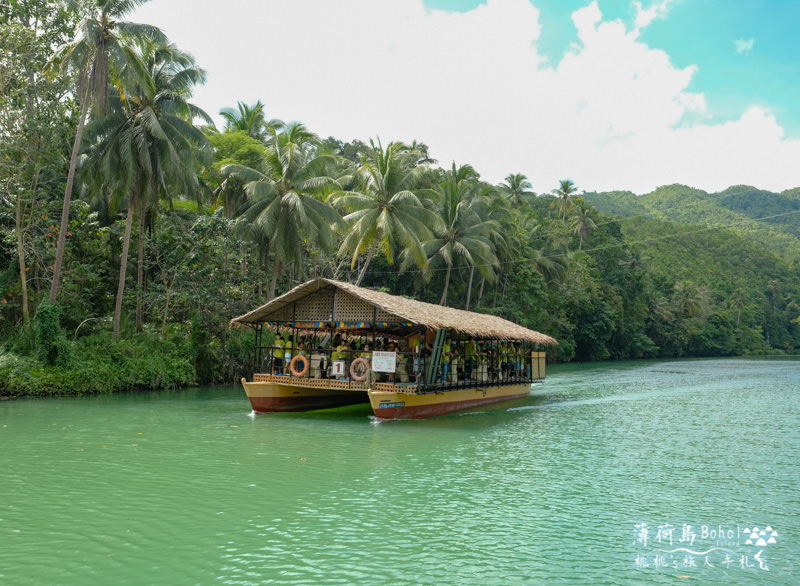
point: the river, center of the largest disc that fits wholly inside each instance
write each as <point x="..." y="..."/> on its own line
<point x="614" y="473"/>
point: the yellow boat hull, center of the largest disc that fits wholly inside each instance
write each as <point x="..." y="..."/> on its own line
<point x="399" y="405"/>
<point x="276" y="394"/>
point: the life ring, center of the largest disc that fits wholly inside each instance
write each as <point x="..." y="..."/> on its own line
<point x="293" y="365"/>
<point x="359" y="373"/>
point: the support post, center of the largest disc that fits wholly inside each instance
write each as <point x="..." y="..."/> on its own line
<point x="436" y="356"/>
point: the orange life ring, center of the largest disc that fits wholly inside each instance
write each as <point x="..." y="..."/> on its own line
<point x="293" y="365"/>
<point x="354" y="372"/>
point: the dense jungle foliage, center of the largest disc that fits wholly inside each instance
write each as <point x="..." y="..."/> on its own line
<point x="132" y="229"/>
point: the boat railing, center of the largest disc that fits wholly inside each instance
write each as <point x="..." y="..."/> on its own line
<point x="410" y="373"/>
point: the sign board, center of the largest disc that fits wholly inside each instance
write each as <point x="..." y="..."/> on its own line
<point x="384" y="361"/>
<point x="337" y="368"/>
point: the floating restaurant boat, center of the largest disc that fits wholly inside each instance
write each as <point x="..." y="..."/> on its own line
<point x="434" y="359"/>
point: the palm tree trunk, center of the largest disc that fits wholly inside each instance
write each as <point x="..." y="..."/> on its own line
<point x="140" y="276"/>
<point x="469" y="288"/>
<point x="480" y="291"/>
<point x="276" y="267"/>
<point x="370" y="254"/>
<point x="21" y="254"/>
<point x="73" y="162"/>
<point x="443" y="300"/>
<point x="123" y="267"/>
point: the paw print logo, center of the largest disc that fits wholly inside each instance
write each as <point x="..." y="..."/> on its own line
<point x="761" y="537"/>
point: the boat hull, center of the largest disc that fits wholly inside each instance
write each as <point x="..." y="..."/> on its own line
<point x="271" y="397"/>
<point x="394" y="405"/>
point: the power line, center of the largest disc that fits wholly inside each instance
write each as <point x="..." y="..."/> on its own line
<point x="600" y="248"/>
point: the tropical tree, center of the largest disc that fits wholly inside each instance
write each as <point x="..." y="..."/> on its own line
<point x="581" y="221"/>
<point x="517" y="189"/>
<point x="690" y="300"/>
<point x="33" y="117"/>
<point x="565" y="191"/>
<point x="383" y="212"/>
<point x="147" y="146"/>
<point x="546" y="248"/>
<point x="251" y="120"/>
<point x="286" y="213"/>
<point x="101" y="47"/>
<point x="464" y="236"/>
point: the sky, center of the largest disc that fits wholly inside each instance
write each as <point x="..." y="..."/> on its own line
<point x="611" y="94"/>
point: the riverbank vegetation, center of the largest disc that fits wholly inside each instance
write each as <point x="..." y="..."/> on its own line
<point x="132" y="229"/>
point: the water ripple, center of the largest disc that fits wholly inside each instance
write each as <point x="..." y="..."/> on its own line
<point x="192" y="489"/>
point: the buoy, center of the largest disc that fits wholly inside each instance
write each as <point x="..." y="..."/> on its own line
<point x="293" y="365"/>
<point x="359" y="372"/>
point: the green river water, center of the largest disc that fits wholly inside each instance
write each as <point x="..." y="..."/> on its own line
<point x="586" y="481"/>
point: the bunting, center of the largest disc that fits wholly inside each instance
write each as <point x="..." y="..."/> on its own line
<point x="340" y="324"/>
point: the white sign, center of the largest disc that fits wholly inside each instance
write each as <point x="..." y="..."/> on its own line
<point x="384" y="361"/>
<point x="337" y="369"/>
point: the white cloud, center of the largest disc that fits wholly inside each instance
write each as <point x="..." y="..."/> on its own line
<point x="612" y="114"/>
<point x="744" y="46"/>
<point x="644" y="16"/>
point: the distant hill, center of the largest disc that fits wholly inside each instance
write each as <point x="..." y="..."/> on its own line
<point x="764" y="217"/>
<point x="778" y="209"/>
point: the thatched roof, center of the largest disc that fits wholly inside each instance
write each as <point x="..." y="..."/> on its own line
<point x="325" y="300"/>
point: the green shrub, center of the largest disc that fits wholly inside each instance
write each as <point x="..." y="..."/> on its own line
<point x="51" y="344"/>
<point x="101" y="364"/>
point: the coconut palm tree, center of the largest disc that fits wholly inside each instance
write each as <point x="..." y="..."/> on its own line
<point x="517" y="189"/>
<point x="383" y="212"/>
<point x="147" y="145"/>
<point x="581" y="221"/>
<point x="101" y="43"/>
<point x="690" y="300"/>
<point x="251" y="120"/>
<point x="565" y="191"/>
<point x="490" y="204"/>
<point x="464" y="236"/>
<point x="286" y="212"/>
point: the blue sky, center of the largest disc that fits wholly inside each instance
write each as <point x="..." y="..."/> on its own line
<point x="613" y="94"/>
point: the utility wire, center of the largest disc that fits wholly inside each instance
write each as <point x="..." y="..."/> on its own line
<point x="600" y="248"/>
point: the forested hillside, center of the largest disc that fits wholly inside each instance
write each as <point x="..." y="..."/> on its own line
<point x="132" y="229"/>
<point x="771" y="219"/>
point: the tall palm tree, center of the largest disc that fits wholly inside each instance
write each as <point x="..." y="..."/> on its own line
<point x="464" y="236"/>
<point x="147" y="145"/>
<point x="689" y="300"/>
<point x="565" y="191"/>
<point x="384" y="212"/>
<point x="491" y="204"/>
<point x="101" y="42"/>
<point x="250" y="119"/>
<point x="545" y="250"/>
<point x="581" y="221"/>
<point x="286" y="212"/>
<point x="517" y="189"/>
